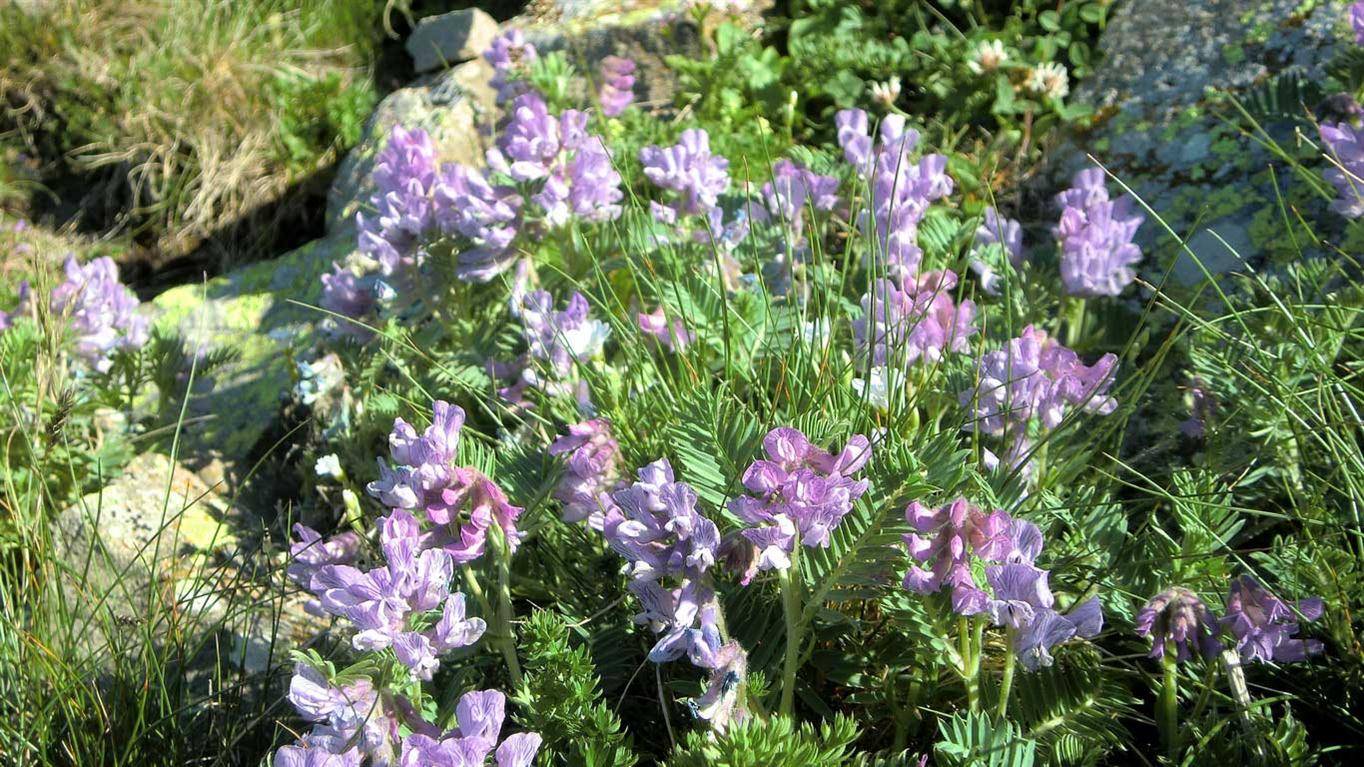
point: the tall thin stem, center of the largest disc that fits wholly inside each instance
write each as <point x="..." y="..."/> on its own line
<point x="1167" y="707"/>
<point x="1007" y="683"/>
<point x="970" y="663"/>
<point x="502" y="622"/>
<point x="1075" y="322"/>
<point x="790" y="591"/>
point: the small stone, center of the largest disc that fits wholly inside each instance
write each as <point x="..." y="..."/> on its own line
<point x="450" y="38"/>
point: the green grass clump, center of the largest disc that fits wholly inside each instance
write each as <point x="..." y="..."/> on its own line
<point x="180" y="116"/>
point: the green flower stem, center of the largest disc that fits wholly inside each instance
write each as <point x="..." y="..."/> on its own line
<point x="1167" y="707"/>
<point x="1075" y="321"/>
<point x="970" y="663"/>
<point x="502" y="616"/>
<point x="1007" y="683"/>
<point x="790" y="591"/>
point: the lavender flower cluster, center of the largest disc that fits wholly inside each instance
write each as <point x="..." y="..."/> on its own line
<point x="654" y="525"/>
<point x="996" y="232"/>
<point x="1095" y="232"/>
<point x="798" y="494"/>
<point x="356" y="720"/>
<point x="460" y="502"/>
<point x="100" y="311"/>
<point x="592" y="471"/>
<point x="405" y="606"/>
<point x="952" y="539"/>
<point x="913" y="321"/>
<point x="616" y="92"/>
<point x="559" y="340"/>
<point x="689" y="169"/>
<point x="901" y="189"/>
<point x="1035" y="378"/>
<point x="1263" y="626"/>
<point x="544" y="171"/>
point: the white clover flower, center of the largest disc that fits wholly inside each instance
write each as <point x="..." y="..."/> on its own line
<point x="988" y="56"/>
<point x="887" y="92"/>
<point x="1049" y="79"/>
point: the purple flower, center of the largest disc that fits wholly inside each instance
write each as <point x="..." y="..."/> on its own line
<point x="382" y="602"/>
<point x="945" y="540"/>
<point x="919" y="322"/>
<point x="798" y="493"/>
<point x="21" y="307"/>
<point x="994" y="229"/>
<point x="617" y="85"/>
<point x="349" y="296"/>
<point x="314" y="756"/>
<point x="529" y="142"/>
<point x="486" y="216"/>
<point x="100" y="310"/>
<point x="423" y="465"/>
<point x="591" y="472"/>
<point x="310" y="554"/>
<point x="352" y="721"/>
<point x="791" y="190"/>
<point x="510" y="56"/>
<point x="655" y="525"/>
<point x="1020" y="593"/>
<point x="1036" y="377"/>
<point x="672" y="336"/>
<point x="901" y="189"/>
<point x="1003" y="233"/>
<point x="1177" y="617"/>
<point x="1097" y="252"/>
<point x="1357" y="21"/>
<point x="405" y="176"/>
<point x="1050" y="628"/>
<point x="561" y="338"/>
<point x="479" y="716"/>
<point x="1345" y="143"/>
<point x="593" y="185"/>
<point x="689" y="169"/>
<point x="1264" y="625"/>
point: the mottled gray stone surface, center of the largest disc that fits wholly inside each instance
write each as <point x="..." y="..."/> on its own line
<point x="450" y="38"/>
<point x="1166" y="126"/>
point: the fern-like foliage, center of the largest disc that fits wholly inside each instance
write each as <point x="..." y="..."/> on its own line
<point x="562" y="700"/>
<point x="775" y="742"/>
<point x="978" y="740"/>
<point x="1072" y="709"/>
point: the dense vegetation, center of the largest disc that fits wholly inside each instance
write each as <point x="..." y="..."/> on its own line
<point x="762" y="428"/>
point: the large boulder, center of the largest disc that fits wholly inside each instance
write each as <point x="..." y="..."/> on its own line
<point x="156" y="519"/>
<point x="450" y="38"/>
<point x="1168" y="128"/>
<point x="266" y="312"/>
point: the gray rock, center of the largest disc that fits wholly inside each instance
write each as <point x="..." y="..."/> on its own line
<point x="266" y="312"/>
<point x="453" y="107"/>
<point x="450" y="38"/>
<point x="157" y="514"/>
<point x="1163" y="88"/>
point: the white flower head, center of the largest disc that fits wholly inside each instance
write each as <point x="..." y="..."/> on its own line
<point x="887" y="92"/>
<point x="1050" y="80"/>
<point x="988" y="56"/>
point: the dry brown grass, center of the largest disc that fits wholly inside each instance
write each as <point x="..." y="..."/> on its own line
<point x="172" y="107"/>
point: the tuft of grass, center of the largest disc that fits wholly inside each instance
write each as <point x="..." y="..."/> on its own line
<point x="180" y="116"/>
